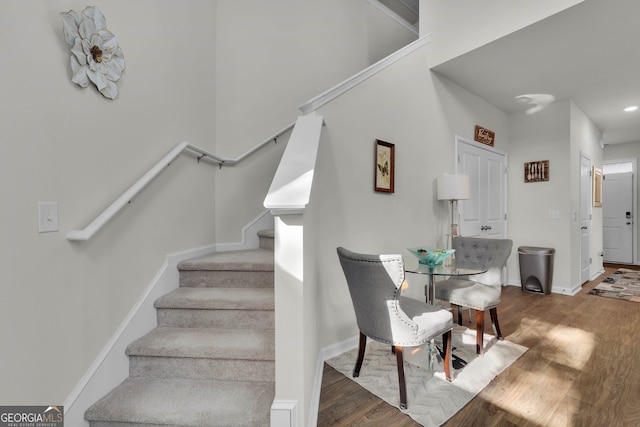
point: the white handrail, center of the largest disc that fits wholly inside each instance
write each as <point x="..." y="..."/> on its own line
<point x="314" y="103"/>
<point x="125" y="198"/>
<point x="291" y="186"/>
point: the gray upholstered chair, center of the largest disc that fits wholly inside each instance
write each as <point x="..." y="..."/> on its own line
<point x="383" y="315"/>
<point x="479" y="292"/>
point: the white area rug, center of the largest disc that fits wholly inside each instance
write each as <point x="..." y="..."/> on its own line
<point x="431" y="399"/>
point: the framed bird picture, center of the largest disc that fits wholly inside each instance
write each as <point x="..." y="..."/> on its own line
<point x="384" y="166"/>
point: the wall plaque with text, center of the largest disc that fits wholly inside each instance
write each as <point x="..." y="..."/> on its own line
<point x="485" y="136"/>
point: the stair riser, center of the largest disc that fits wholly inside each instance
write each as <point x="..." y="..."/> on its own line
<point x="266" y="243"/>
<point x="210" y="362"/>
<point x="226" y="279"/>
<point x="227" y="319"/>
<point x="202" y="369"/>
<point x="177" y="402"/>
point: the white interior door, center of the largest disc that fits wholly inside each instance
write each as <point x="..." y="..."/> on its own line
<point x="496" y="209"/>
<point x="484" y="214"/>
<point x="617" y="217"/>
<point x="585" y="217"/>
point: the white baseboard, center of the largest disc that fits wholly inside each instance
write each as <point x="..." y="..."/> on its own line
<point x="566" y="290"/>
<point x="597" y="273"/>
<point x="555" y="289"/>
<point x="284" y="413"/>
<point x="325" y="354"/>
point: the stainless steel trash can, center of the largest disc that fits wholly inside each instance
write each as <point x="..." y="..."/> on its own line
<point x="536" y="268"/>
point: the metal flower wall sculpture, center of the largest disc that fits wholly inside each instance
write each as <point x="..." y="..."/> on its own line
<point x="95" y="54"/>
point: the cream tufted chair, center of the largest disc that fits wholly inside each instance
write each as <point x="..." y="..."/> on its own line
<point x="479" y="292"/>
<point x="383" y="315"/>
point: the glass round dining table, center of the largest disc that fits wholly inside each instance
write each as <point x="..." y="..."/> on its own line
<point x="451" y="267"/>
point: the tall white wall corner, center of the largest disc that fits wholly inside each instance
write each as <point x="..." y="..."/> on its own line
<point x="284" y="413"/>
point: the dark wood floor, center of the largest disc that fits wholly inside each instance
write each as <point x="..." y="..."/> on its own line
<point x="582" y="369"/>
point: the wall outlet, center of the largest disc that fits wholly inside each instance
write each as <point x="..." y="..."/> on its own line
<point x="47" y="217"/>
<point x="554" y="214"/>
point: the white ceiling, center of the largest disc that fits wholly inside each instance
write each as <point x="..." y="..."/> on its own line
<point x="589" y="53"/>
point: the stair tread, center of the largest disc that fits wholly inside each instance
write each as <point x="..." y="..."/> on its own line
<point x="241" y="344"/>
<point x="242" y="260"/>
<point x="186" y="403"/>
<point x="270" y="234"/>
<point x="218" y="298"/>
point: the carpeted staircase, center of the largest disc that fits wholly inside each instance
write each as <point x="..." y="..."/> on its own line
<point x="210" y="361"/>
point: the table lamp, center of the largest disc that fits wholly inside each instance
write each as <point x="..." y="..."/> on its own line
<point x="453" y="188"/>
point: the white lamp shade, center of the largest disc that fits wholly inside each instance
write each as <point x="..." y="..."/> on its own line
<point x="453" y="187"/>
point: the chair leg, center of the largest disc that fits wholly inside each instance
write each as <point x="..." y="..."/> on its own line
<point x="480" y="332"/>
<point x="494" y="321"/>
<point x="446" y="343"/>
<point x="459" y="311"/>
<point x="401" y="382"/>
<point x="363" y="344"/>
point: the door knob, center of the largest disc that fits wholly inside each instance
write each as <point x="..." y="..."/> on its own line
<point x="628" y="223"/>
<point x="584" y="227"/>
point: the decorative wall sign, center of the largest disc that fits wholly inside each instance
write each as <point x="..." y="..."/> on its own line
<point x="536" y="171"/>
<point x="485" y="136"/>
<point x="597" y="187"/>
<point x="95" y="54"/>
<point x="384" y="166"/>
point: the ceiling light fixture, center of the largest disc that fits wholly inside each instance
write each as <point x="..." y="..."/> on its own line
<point x="538" y="100"/>
<point x="631" y="108"/>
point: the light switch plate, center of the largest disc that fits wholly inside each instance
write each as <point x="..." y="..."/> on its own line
<point x="47" y="217"/>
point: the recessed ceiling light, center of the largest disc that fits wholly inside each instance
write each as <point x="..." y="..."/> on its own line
<point x="631" y="108"/>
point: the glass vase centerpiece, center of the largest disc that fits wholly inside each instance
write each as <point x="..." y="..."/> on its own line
<point x="431" y="256"/>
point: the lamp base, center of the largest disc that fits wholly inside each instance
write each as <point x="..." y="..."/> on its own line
<point x="454" y="232"/>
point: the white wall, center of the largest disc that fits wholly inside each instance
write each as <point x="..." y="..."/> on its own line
<point x="558" y="134"/>
<point x="271" y="57"/>
<point x="60" y="301"/>
<point x="459" y="26"/>
<point x="463" y="111"/>
<point x="585" y="137"/>
<point x="402" y="105"/>
<point x="541" y="136"/>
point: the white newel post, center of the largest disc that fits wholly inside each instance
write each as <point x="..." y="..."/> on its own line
<point x="287" y="200"/>
<point x="289" y="322"/>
